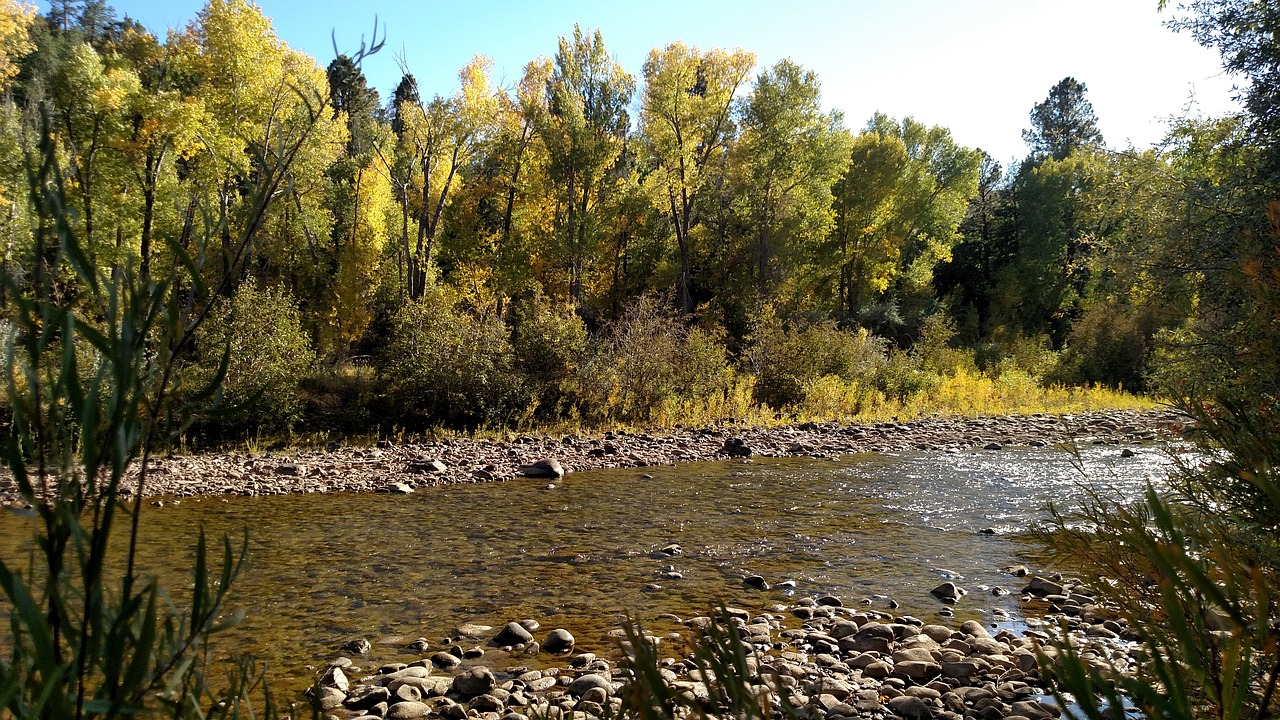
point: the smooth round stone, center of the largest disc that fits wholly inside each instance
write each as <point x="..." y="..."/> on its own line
<point x="473" y="682"/>
<point x="408" y="711"/>
<point x="581" y="685"/>
<point x="445" y="661"/>
<point x="513" y="633"/>
<point x="558" y="641"/>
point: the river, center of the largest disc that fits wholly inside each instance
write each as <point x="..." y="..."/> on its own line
<point x="583" y="551"/>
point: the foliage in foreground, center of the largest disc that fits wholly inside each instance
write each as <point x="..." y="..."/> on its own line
<point x="724" y="662"/>
<point x="1196" y="577"/>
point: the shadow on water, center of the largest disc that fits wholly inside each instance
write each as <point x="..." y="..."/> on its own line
<point x="325" y="569"/>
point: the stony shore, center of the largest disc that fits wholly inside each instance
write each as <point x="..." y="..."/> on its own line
<point x="405" y="468"/>
<point x="829" y="660"/>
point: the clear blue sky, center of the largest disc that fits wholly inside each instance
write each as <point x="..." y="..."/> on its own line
<point x="975" y="66"/>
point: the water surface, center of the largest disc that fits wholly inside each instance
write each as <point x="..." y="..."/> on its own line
<point x="325" y="569"/>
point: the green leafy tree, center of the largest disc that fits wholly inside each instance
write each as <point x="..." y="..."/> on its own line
<point x="899" y="206"/>
<point x="686" y="124"/>
<point x="583" y="130"/>
<point x="790" y="154"/>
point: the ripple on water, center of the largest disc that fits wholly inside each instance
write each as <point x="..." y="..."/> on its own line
<point x="326" y="568"/>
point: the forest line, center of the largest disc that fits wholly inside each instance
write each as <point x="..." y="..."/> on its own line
<point x="701" y="238"/>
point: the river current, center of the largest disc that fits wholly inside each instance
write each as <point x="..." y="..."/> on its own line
<point x="583" y="551"/>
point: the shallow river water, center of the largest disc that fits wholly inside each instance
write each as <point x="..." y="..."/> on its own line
<point x="325" y="569"/>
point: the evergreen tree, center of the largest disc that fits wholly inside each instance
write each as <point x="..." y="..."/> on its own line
<point x="1063" y="123"/>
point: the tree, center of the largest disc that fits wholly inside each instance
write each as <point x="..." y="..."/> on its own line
<point x="352" y="96"/>
<point x="899" y="205"/>
<point x="988" y="245"/>
<point x="440" y="138"/>
<point x="1247" y="35"/>
<point x="1063" y="123"/>
<point x="791" y="152"/>
<point x="265" y="101"/>
<point x="685" y="125"/>
<point x="584" y="130"/>
<point x="15" y="23"/>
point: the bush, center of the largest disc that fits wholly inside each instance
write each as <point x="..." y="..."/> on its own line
<point x="1110" y="345"/>
<point x="548" y="340"/>
<point x="787" y="362"/>
<point x="1194" y="573"/>
<point x="647" y="360"/>
<point x="268" y="355"/>
<point x="933" y="352"/>
<point x="442" y="365"/>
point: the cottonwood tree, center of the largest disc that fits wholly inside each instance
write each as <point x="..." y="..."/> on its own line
<point x="584" y="131"/>
<point x="790" y="153"/>
<point x="686" y="124"/>
<point x="899" y="206"/>
<point x="439" y="138"/>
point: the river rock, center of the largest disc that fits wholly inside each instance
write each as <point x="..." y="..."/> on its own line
<point x="445" y="661"/>
<point x="432" y="686"/>
<point x="1043" y="586"/>
<point x="485" y="703"/>
<point x="335" y="678"/>
<point x="558" y="641"/>
<point x="329" y="698"/>
<point x="512" y="634"/>
<point x="425" y="467"/>
<point x="355" y="647"/>
<point x="917" y="669"/>
<point x="408" y="711"/>
<point x="581" y="685"/>
<point x="414" y="671"/>
<point x="406" y="693"/>
<point x="960" y="669"/>
<point x="909" y="706"/>
<point x="755" y="581"/>
<point x="472" y="631"/>
<point x="366" y="697"/>
<point x="1035" y="710"/>
<point x="548" y="468"/>
<point x="871" y="637"/>
<point x="936" y="633"/>
<point x="473" y="682"/>
<point x="948" y="592"/>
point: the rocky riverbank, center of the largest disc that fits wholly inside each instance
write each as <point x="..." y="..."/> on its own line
<point x="409" y="467"/>
<point x="830" y="661"/>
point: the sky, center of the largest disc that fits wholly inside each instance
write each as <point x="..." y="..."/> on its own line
<point x="974" y="66"/>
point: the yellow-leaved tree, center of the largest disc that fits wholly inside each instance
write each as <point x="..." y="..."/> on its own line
<point x="15" y="42"/>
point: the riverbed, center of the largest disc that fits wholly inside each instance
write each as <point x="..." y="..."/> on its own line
<point x="582" y="551"/>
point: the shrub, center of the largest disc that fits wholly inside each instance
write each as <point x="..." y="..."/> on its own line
<point x="442" y="365"/>
<point x="646" y="360"/>
<point x="934" y="352"/>
<point x="548" y="340"/>
<point x="786" y="362"/>
<point x="92" y="356"/>
<point x="268" y="355"/>
<point x="1109" y="344"/>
